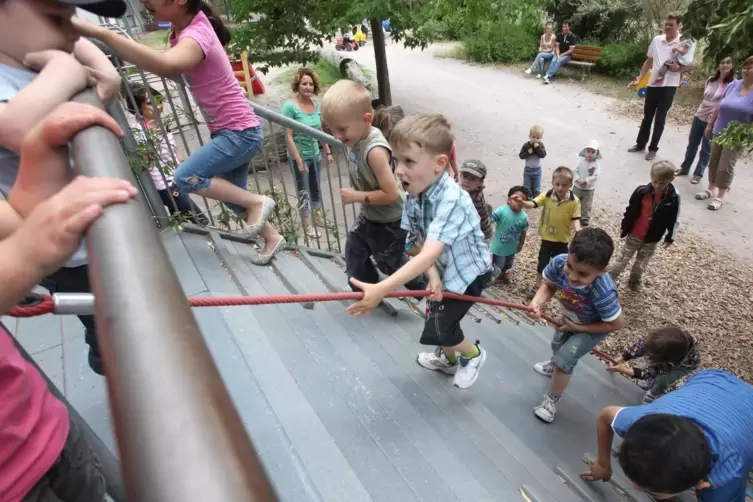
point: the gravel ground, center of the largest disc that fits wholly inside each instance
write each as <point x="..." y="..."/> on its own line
<point x="711" y="299"/>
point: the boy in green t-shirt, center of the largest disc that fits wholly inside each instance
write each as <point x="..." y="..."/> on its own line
<point x="510" y="234"/>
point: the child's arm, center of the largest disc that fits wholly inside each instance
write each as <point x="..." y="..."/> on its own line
<point x="522" y="241"/>
<point x="44" y="170"/>
<point x="485" y="219"/>
<point x="60" y="77"/>
<point x="627" y="223"/>
<point x="576" y="217"/>
<point x="672" y="226"/>
<point x="539" y="201"/>
<point x="184" y="56"/>
<point x="108" y="79"/>
<point x="595" y="176"/>
<point x="526" y="150"/>
<point x="540" y="151"/>
<point x="379" y="161"/>
<point x="601" y="469"/>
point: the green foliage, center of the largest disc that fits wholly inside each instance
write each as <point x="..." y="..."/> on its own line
<point x="607" y="21"/>
<point x="621" y="60"/>
<point x="327" y="71"/>
<point x="461" y="19"/>
<point x="727" y="26"/>
<point x="503" y="43"/>
<point x="737" y="136"/>
<point x="281" y="32"/>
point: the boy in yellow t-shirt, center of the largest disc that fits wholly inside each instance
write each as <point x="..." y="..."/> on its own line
<point x="560" y="215"/>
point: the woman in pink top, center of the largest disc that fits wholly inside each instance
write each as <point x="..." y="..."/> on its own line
<point x="712" y="95"/>
<point x="219" y="169"/>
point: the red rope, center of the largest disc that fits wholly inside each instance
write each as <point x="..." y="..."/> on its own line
<point x="47" y="306"/>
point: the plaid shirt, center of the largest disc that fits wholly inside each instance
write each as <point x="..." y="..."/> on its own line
<point x="446" y="213"/>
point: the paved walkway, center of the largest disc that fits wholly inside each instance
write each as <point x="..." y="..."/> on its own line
<point x="492" y="110"/>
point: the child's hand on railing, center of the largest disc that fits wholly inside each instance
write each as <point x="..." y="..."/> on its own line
<point x="69" y="69"/>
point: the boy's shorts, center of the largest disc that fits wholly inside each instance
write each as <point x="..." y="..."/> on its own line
<point x="547" y="251"/>
<point x="442" y="327"/>
<point x="568" y="348"/>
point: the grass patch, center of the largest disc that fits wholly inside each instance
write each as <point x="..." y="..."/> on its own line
<point x="157" y="40"/>
<point x="327" y="71"/>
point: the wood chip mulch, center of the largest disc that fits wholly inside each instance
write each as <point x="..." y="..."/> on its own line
<point x="693" y="285"/>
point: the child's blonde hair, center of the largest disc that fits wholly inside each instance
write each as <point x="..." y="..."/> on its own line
<point x="537" y="130"/>
<point x="663" y="170"/>
<point x="563" y="172"/>
<point x="346" y="96"/>
<point x="430" y="131"/>
<point x="386" y="117"/>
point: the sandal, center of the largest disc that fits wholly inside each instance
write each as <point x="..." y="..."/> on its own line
<point x="264" y="259"/>
<point x="680" y="172"/>
<point x="706" y="194"/>
<point x="715" y="204"/>
<point x="253" y="229"/>
<point x="695" y="180"/>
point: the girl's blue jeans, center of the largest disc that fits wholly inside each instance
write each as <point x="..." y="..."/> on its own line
<point x="308" y="185"/>
<point x="695" y="138"/>
<point x="540" y="61"/>
<point x="226" y="156"/>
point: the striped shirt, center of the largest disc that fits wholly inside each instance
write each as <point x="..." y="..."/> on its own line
<point x="445" y="213"/>
<point x="597" y="302"/>
<point x="720" y="405"/>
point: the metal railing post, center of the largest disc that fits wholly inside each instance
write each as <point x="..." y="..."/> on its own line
<point x="178" y="433"/>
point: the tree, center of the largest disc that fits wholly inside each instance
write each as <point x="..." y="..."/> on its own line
<point x="727" y="26"/>
<point x="281" y="32"/>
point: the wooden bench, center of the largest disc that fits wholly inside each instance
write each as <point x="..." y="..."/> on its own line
<point x="585" y="57"/>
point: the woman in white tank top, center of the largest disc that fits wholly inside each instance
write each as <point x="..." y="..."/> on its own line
<point x="546" y="52"/>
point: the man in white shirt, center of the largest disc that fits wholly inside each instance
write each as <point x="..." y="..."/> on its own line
<point x="659" y="95"/>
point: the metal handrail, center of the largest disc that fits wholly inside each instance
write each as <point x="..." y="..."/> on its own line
<point x="178" y="433"/>
<point x="289" y="123"/>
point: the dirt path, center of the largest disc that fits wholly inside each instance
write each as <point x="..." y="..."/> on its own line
<point x="492" y="110"/>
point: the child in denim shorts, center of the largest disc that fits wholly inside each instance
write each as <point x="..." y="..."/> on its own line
<point x="591" y="309"/>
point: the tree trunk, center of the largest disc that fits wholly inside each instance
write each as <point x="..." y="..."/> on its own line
<point x="380" y="56"/>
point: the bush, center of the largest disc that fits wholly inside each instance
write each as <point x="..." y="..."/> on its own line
<point x="500" y="42"/>
<point x="621" y="60"/>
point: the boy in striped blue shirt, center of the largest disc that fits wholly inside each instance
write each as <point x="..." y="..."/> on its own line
<point x="590" y="305"/>
<point x="699" y="436"/>
<point x="442" y="217"/>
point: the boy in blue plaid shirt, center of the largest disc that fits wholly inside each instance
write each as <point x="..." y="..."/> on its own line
<point x="444" y="220"/>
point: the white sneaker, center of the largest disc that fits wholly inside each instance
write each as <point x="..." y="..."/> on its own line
<point x="467" y="373"/>
<point x="538" y="75"/>
<point x="545" y="368"/>
<point x="546" y="410"/>
<point x="436" y="361"/>
<point x="528" y="71"/>
<point x="546" y="79"/>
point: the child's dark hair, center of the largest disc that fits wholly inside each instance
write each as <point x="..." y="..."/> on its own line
<point x="665" y="454"/>
<point x="140" y="96"/>
<point x="196" y="6"/>
<point x="592" y="246"/>
<point x="519" y="189"/>
<point x="667" y="345"/>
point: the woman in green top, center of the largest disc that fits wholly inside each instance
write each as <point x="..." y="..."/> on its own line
<point x="305" y="158"/>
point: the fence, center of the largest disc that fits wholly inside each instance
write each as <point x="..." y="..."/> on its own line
<point x="270" y="171"/>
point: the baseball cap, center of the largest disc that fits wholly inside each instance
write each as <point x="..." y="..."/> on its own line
<point x="474" y="167"/>
<point x="593" y="145"/>
<point x="105" y="8"/>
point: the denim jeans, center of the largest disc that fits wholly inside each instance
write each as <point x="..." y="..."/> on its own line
<point x="308" y="185"/>
<point x="226" y="156"/>
<point x="695" y="138"/>
<point x="532" y="181"/>
<point x="556" y="64"/>
<point x="540" y="61"/>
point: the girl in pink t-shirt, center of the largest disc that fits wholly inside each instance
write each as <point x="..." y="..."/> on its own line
<point x="219" y="169"/>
